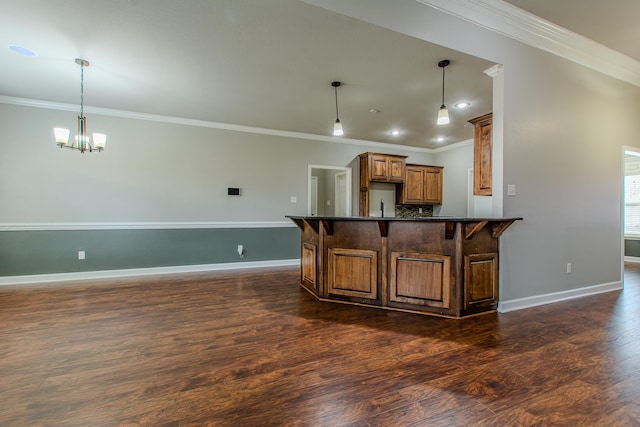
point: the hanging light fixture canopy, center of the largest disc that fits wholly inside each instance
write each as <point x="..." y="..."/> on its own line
<point x="337" y="126"/>
<point x="82" y="140"/>
<point x="443" y="113"/>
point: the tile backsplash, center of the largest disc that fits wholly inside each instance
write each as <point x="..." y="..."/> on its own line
<point x="414" y="211"/>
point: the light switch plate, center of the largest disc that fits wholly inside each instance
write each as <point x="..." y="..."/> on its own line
<point x="511" y="190"/>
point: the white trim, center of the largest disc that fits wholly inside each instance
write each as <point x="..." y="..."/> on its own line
<point x="633" y="259"/>
<point x="60" y="226"/>
<point x="110" y="274"/>
<point x="513" y="22"/>
<point x="536" y="300"/>
<point x="494" y="71"/>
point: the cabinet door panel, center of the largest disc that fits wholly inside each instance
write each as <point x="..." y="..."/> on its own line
<point x="396" y="169"/>
<point x="420" y="279"/>
<point x="481" y="279"/>
<point x="482" y="172"/>
<point x="353" y="272"/>
<point x="414" y="186"/>
<point x="484" y="153"/>
<point x="433" y="185"/>
<point x="379" y="168"/>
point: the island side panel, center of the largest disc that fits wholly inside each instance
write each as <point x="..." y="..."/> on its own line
<point x="352" y="262"/>
<point x="310" y="258"/>
<point x="422" y="268"/>
<point x="480" y="268"/>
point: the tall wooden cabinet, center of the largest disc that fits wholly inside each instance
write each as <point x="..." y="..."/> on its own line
<point x="482" y="127"/>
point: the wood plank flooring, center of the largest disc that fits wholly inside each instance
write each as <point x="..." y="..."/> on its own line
<point x="250" y="348"/>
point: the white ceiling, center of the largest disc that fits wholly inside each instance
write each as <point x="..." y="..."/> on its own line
<point x="259" y="63"/>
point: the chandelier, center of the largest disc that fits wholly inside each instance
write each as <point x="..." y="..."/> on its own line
<point x="82" y="141"/>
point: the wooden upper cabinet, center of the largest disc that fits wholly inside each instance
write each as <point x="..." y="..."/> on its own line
<point x="482" y="127"/>
<point x="384" y="167"/>
<point x="377" y="167"/>
<point x="423" y="185"/>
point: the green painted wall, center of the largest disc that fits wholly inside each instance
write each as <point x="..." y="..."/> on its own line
<point x="632" y="248"/>
<point x="47" y="252"/>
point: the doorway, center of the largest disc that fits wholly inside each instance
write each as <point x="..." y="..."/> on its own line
<point x="631" y="205"/>
<point x="329" y="191"/>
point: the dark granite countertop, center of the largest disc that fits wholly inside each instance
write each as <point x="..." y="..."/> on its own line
<point x="391" y="218"/>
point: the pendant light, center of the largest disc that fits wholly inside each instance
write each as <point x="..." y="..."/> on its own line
<point x="337" y="126"/>
<point x="82" y="141"/>
<point x="443" y="113"/>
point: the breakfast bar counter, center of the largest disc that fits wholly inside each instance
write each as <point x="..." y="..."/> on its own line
<point x="443" y="266"/>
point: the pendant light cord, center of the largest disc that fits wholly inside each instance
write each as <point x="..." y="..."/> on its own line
<point x="443" y="86"/>
<point x="443" y="64"/>
<point x="335" y="88"/>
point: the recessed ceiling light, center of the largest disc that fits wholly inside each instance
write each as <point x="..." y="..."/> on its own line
<point x="462" y="104"/>
<point x="21" y="50"/>
<point x="440" y="139"/>
<point x="395" y="132"/>
<point x="374" y="111"/>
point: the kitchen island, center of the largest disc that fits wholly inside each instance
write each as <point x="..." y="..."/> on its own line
<point x="443" y="266"/>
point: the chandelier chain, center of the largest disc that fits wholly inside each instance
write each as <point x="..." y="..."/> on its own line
<point x="81" y="89"/>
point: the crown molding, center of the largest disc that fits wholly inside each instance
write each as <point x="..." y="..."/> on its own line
<point x="513" y="22"/>
<point x="454" y="146"/>
<point x="206" y="124"/>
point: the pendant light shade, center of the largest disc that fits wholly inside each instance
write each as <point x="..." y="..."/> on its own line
<point x="443" y="113"/>
<point x="337" y="126"/>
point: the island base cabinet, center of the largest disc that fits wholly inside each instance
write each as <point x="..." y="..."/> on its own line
<point x="420" y="279"/>
<point x="441" y="267"/>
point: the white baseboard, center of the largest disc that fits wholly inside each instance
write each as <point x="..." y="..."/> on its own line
<point x="533" y="301"/>
<point x="109" y="274"/>
<point x="632" y="259"/>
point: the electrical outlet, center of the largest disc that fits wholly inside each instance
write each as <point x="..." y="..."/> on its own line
<point x="81" y="255"/>
<point x="241" y="251"/>
<point x="569" y="267"/>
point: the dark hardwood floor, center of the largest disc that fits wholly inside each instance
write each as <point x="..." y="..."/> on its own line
<point x="250" y="348"/>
